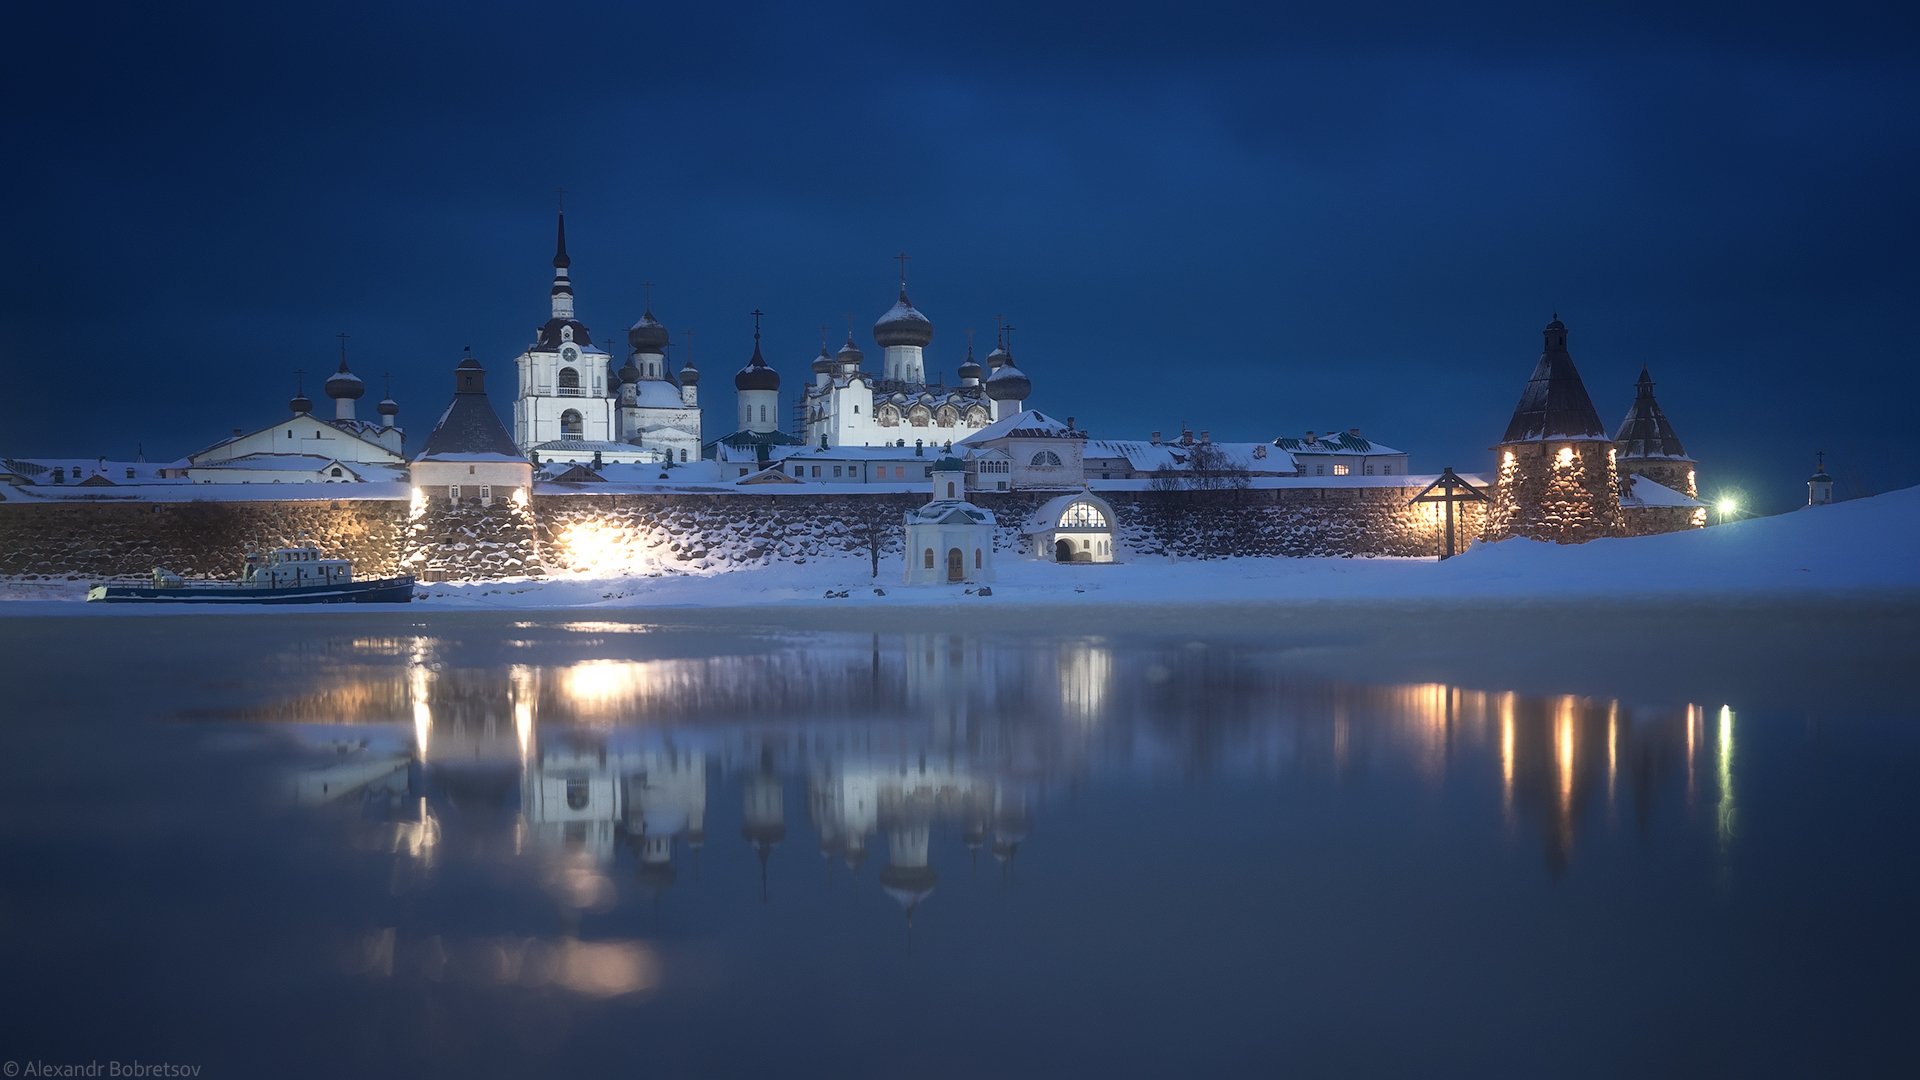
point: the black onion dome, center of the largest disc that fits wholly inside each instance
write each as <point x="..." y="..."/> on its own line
<point x="756" y="375"/>
<point x="345" y="384"/>
<point x="903" y="325"/>
<point x="997" y="358"/>
<point x="300" y="403"/>
<point x="823" y="364"/>
<point x="630" y="373"/>
<point x="388" y="407"/>
<point x="849" y="354"/>
<point x="1009" y="383"/>
<point x="689" y="375"/>
<point x="970" y="368"/>
<point x="647" y="335"/>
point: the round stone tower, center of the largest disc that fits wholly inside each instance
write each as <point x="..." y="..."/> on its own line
<point x="1558" y="479"/>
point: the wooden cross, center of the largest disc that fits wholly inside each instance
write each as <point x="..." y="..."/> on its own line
<point x="647" y="291"/>
<point x="823" y="337"/>
<point x="299" y="381"/>
<point x="342" y="335"/>
<point x="903" y="257"/>
<point x="1452" y="490"/>
<point x="756" y="313"/>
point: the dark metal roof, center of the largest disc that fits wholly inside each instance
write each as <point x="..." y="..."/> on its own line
<point x="550" y="338"/>
<point x="560" y="260"/>
<point x="1555" y="404"/>
<point x="756" y="375"/>
<point x="470" y="425"/>
<point x="1646" y="433"/>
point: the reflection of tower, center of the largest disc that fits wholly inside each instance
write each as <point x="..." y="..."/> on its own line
<point x="845" y="811"/>
<point x="666" y="796"/>
<point x="907" y="877"/>
<point x="764" y="816"/>
<point x="1010" y="823"/>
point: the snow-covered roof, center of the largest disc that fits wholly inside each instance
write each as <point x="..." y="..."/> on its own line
<point x="363" y="430"/>
<point x="1642" y="492"/>
<point x="1144" y="456"/>
<point x="1028" y="424"/>
<point x="278" y="463"/>
<point x="944" y="511"/>
<point x="470" y="427"/>
<point x="1047" y="516"/>
<point x="1334" y="442"/>
<point x="40" y="470"/>
<point x="928" y="454"/>
<point x="657" y="394"/>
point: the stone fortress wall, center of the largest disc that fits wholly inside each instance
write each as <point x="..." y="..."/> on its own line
<point x="582" y="532"/>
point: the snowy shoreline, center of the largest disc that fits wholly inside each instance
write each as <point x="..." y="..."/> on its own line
<point x="1857" y="552"/>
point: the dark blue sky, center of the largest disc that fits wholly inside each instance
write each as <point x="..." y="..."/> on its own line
<point x="1255" y="221"/>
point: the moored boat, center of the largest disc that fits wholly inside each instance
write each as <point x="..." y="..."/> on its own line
<point x="286" y="575"/>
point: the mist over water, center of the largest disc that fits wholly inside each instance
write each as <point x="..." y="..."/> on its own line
<point x="1323" y="839"/>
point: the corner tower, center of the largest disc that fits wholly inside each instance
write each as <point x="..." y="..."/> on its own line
<point x="1557" y="475"/>
<point x="1646" y="444"/>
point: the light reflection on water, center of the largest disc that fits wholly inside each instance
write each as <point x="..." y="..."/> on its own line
<point x="1120" y="854"/>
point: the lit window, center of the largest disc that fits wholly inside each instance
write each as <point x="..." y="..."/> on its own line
<point x="1342" y="470"/>
<point x="1083" y="515"/>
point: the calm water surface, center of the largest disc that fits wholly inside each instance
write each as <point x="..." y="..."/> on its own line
<point x="1401" y="843"/>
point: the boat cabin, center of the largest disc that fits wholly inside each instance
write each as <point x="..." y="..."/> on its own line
<point x="293" y="567"/>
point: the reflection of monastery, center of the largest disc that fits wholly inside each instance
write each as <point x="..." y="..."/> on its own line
<point x="936" y="754"/>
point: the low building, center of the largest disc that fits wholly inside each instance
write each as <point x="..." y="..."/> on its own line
<point x="1040" y="451"/>
<point x="949" y="539"/>
<point x="469" y="456"/>
<point x="1074" y="528"/>
<point x="1186" y="457"/>
<point x="1345" y="453"/>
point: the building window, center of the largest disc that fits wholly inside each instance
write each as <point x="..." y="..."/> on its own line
<point x="470" y="470"/>
<point x="949" y="489"/>
<point x="1386" y="470"/>
<point x="569" y="380"/>
<point x="1369" y="468"/>
<point x="453" y="492"/>
<point x="335" y="471"/>
<point x="836" y="470"/>
<point x="1045" y="459"/>
<point x="683" y="455"/>
<point x="927" y="561"/>
<point x="763" y="414"/>
<point x="486" y="492"/>
<point x="816" y="472"/>
<point x="572" y="424"/>
<point x="1342" y="470"/>
<point x="976" y="556"/>
<point x="129" y="474"/>
<point x="1319" y="470"/>
<point x="799" y="471"/>
<point x="1083" y="515"/>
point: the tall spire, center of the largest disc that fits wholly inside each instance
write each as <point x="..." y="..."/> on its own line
<point x="562" y="285"/>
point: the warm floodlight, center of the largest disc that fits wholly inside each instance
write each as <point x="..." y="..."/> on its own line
<point x="1727" y="507"/>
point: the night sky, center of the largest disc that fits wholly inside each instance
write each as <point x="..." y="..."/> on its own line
<point x="1257" y="222"/>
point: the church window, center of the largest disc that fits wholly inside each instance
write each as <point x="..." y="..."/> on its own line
<point x="856" y="410"/>
<point x="1083" y="515"/>
<point x="976" y="558"/>
<point x="1045" y="459"/>
<point x="763" y="414"/>
<point x="1342" y="470"/>
<point x="949" y="489"/>
<point x="572" y="424"/>
<point x="927" y="561"/>
<point x="683" y="455"/>
<point x="569" y="380"/>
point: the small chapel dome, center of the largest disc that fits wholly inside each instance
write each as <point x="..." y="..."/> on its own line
<point x="823" y="364"/>
<point x="689" y="375"/>
<point x="756" y="375"/>
<point x="388" y="407"/>
<point x="345" y="384"/>
<point x="1009" y="383"/>
<point x="849" y="356"/>
<point x="997" y="358"/>
<point x="903" y="325"/>
<point x="630" y="373"/>
<point x="970" y="368"/>
<point x="647" y="335"/>
<point x="300" y="403"/>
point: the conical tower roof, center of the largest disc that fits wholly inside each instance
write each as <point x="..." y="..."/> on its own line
<point x="1555" y="404"/>
<point x="1646" y="433"/>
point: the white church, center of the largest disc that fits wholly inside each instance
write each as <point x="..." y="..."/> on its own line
<point x="571" y="404"/>
<point x="845" y="406"/>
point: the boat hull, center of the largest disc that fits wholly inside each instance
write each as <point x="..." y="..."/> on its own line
<point x="384" y="591"/>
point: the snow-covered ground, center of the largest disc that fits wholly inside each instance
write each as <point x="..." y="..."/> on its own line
<point x="1854" y="549"/>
